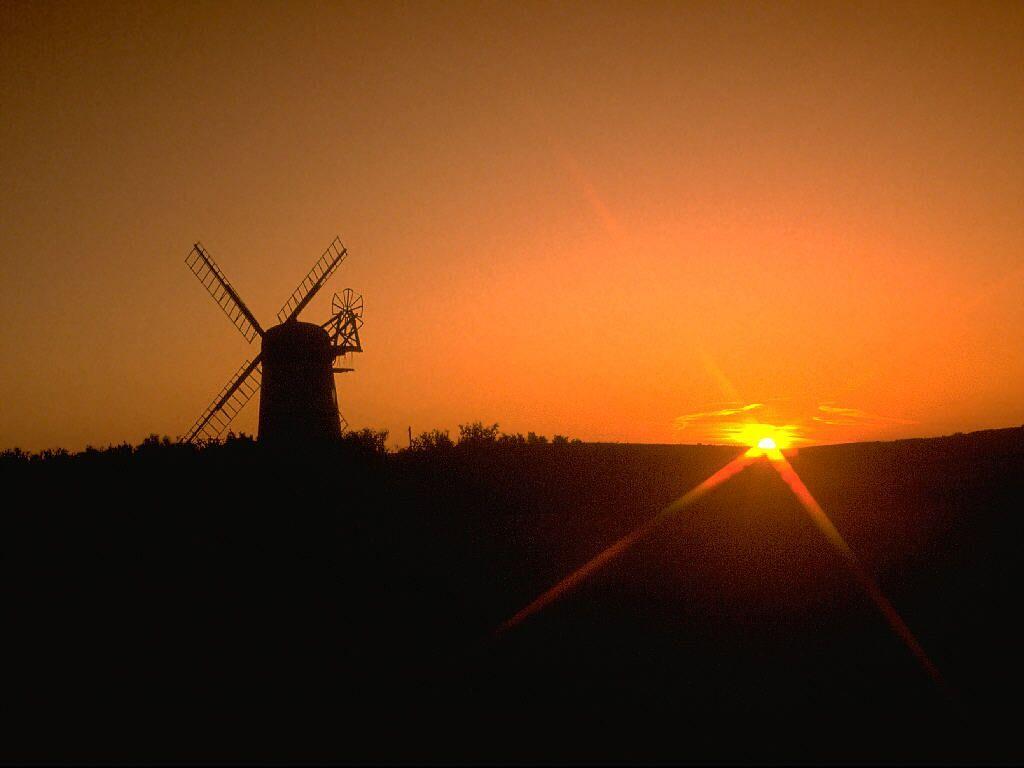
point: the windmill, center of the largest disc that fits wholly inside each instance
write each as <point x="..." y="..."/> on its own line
<point x="296" y="364"/>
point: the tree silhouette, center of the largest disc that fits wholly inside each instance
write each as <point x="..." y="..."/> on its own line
<point x="475" y="435"/>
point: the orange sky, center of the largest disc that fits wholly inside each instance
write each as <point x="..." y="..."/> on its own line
<point x="594" y="219"/>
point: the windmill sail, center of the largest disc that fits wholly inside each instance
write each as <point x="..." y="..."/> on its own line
<point x="208" y="273"/>
<point x="294" y="371"/>
<point x="313" y="282"/>
<point x="232" y="399"/>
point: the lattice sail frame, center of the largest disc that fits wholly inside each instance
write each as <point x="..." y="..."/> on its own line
<point x="321" y="272"/>
<point x="202" y="265"/>
<point x="246" y="382"/>
<point x="232" y="398"/>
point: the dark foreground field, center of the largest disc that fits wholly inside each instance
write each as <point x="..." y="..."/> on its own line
<point x="164" y="604"/>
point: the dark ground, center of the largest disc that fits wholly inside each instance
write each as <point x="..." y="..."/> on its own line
<point x="167" y="604"/>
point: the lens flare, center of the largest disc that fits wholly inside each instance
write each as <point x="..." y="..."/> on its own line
<point x="762" y="438"/>
<point x="767" y="446"/>
<point x="824" y="524"/>
<point x="573" y="579"/>
<point x="766" y="440"/>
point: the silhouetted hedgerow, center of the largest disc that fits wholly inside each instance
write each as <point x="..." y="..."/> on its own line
<point x="367" y="441"/>
<point x="233" y="600"/>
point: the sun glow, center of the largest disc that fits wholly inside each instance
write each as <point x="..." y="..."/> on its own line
<point x="764" y="439"/>
<point x="767" y="445"/>
<point x="752" y="434"/>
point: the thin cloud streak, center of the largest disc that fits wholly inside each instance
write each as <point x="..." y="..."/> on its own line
<point x="813" y="423"/>
<point x="682" y="421"/>
<point x="839" y="416"/>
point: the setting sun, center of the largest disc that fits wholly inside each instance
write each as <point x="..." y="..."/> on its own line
<point x="689" y="364"/>
<point x="763" y="438"/>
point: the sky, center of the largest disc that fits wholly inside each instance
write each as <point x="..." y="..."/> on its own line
<point x="636" y="222"/>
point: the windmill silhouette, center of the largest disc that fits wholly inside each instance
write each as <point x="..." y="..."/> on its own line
<point x="295" y="367"/>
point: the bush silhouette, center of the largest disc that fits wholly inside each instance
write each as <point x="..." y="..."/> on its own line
<point x="330" y="598"/>
<point x="475" y="435"/>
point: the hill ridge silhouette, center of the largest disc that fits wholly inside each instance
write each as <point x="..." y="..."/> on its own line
<point x="239" y="603"/>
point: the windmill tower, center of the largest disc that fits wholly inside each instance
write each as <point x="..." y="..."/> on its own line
<point x="296" y="364"/>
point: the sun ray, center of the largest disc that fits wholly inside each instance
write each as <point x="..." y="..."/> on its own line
<point x="766" y="442"/>
<point x="580" y="574"/>
<point x="824" y="524"/>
